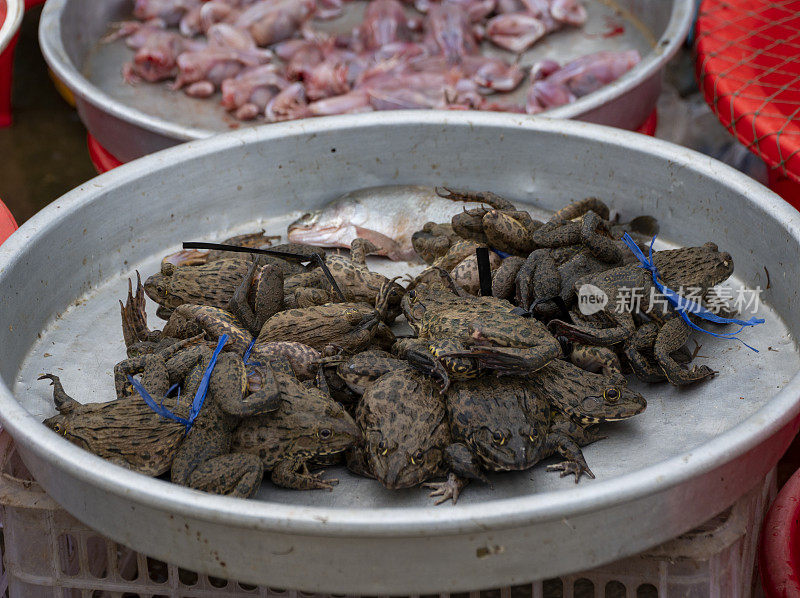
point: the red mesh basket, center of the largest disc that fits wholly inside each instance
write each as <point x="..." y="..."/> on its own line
<point x="749" y="71"/>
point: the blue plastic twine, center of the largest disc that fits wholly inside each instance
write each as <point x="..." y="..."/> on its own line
<point x="683" y="305"/>
<point x="246" y="357"/>
<point x="199" y="397"/>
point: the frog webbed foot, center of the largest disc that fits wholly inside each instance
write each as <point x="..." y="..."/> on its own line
<point x="295" y="475"/>
<point x="572" y="468"/>
<point x="450" y="489"/>
<point x="63" y="402"/>
<point x="574" y="463"/>
<point x="134" y="317"/>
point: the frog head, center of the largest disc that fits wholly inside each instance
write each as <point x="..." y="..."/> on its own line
<point x="507" y="448"/>
<point x="314" y="425"/>
<point x="158" y="285"/>
<point x="605" y="402"/>
<point x="701" y="267"/>
<point x="401" y="465"/>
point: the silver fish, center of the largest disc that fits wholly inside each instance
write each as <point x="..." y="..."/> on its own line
<point x="386" y="216"/>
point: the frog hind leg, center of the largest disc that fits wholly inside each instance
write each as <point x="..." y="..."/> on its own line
<point x="360" y="248"/>
<point x="498" y="202"/>
<point x="463" y="462"/>
<point x="423" y="361"/>
<point x="581" y="207"/>
<point x="509" y="231"/>
<point x="155" y="378"/>
<point x="233" y="474"/>
<point x="265" y="400"/>
<point x="597" y="360"/>
<point x="450" y="489"/>
<point x="293" y="473"/>
<point x="268" y="301"/>
<point x="595" y="236"/>
<point x="587" y="334"/>
<point x="513" y="360"/>
<point x="557" y="233"/>
<point x="671" y="337"/>
<point x="538" y="280"/>
<point x="643" y="338"/>
<point x="184" y="363"/>
<point x="504" y="278"/>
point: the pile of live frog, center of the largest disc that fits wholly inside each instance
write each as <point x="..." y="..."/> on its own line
<point x="288" y="362"/>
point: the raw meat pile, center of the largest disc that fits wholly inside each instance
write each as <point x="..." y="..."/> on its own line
<point x="268" y="60"/>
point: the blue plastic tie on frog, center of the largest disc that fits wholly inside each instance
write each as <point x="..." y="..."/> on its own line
<point x="246" y="357"/>
<point x="683" y="305"/>
<point x="199" y="397"/>
<point x="502" y="254"/>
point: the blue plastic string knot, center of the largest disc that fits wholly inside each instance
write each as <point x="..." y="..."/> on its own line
<point x="685" y="306"/>
<point x="199" y="397"/>
<point x="246" y="357"/>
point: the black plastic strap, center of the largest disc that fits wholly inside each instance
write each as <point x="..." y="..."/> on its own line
<point x="484" y="271"/>
<point x="274" y="252"/>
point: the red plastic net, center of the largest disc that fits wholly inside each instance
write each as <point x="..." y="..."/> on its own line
<point x="748" y="66"/>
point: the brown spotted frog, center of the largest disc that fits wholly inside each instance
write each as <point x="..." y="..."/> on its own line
<point x="490" y="329"/>
<point x="204" y="460"/>
<point x="126" y="431"/>
<point x="434" y="240"/>
<point x="307" y="424"/>
<point x="349" y="327"/>
<point x="404" y="429"/>
<point x="356" y="281"/>
<point x="501" y="226"/>
<point x="689" y="267"/>
<point x="561" y="403"/>
<point x="214" y="283"/>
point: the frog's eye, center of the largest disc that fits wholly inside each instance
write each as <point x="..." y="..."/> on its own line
<point x="59" y="429"/>
<point x="416" y="457"/>
<point x="325" y="433"/>
<point x="383" y="448"/>
<point x="611" y="395"/>
<point x="498" y="438"/>
<point x="412" y="295"/>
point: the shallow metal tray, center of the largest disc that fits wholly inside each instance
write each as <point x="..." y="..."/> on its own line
<point x="688" y="456"/>
<point x="132" y="121"/>
<point x="12" y="21"/>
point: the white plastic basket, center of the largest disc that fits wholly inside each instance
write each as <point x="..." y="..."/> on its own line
<point x="48" y="553"/>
